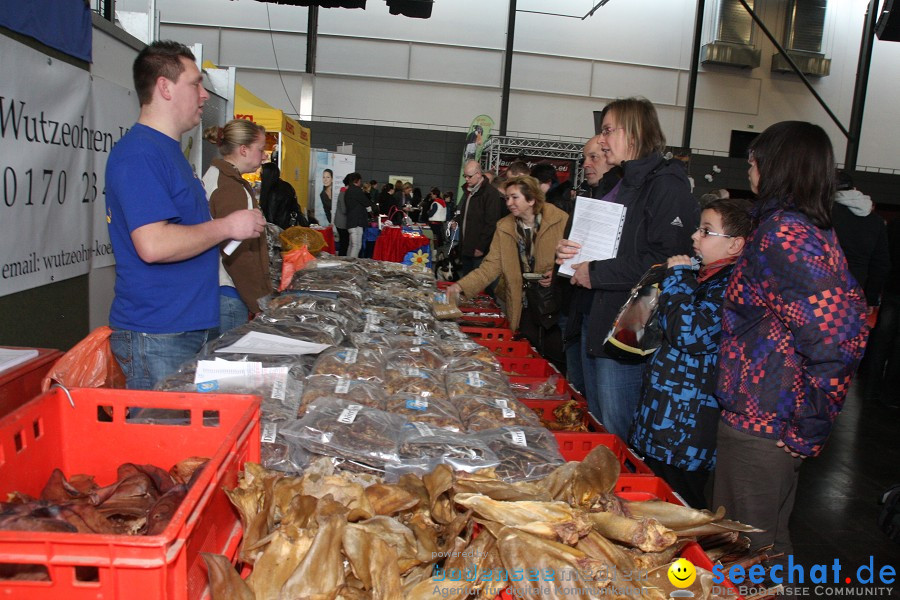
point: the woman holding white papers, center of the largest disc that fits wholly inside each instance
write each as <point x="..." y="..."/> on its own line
<point x="660" y="216"/>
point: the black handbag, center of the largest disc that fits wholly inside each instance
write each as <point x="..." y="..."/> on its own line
<point x="543" y="300"/>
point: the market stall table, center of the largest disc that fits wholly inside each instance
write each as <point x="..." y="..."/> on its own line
<point x="328" y="234"/>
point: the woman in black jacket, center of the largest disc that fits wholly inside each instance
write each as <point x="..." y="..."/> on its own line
<point x="278" y="200"/>
<point x="660" y="217"/>
<point x="356" y="204"/>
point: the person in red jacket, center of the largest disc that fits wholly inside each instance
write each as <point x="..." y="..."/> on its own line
<point x="793" y="332"/>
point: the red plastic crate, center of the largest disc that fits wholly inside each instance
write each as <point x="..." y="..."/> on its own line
<point x="49" y="433"/>
<point x="476" y="321"/>
<point x="488" y="333"/>
<point x="520" y="349"/>
<point x="561" y="388"/>
<point x="576" y="445"/>
<point x="638" y="487"/>
<point x="530" y="367"/>
<point x="544" y="409"/>
<point x="23" y="382"/>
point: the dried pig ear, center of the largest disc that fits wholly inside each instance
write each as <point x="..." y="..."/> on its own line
<point x="321" y="572"/>
<point x="645" y="534"/>
<point x="286" y="548"/>
<point x="549" y="520"/>
<point x="373" y="561"/>
<point x="224" y="581"/>
<point x="388" y="499"/>
<point x="673" y="516"/>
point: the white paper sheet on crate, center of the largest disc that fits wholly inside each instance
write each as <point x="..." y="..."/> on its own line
<point x="267" y="343"/>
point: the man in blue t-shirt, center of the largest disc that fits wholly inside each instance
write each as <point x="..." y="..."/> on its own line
<point x="165" y="242"/>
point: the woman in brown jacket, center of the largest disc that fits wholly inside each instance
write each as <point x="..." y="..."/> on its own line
<point x="243" y="275"/>
<point x="523" y="248"/>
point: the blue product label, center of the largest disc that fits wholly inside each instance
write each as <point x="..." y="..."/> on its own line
<point x="208" y="386"/>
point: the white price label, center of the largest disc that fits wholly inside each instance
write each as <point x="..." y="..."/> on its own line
<point x="475" y="380"/>
<point x="501" y="402"/>
<point x="268" y="433"/>
<point x="348" y="415"/>
<point x="419" y="315"/>
<point x="412" y="372"/>
<point x="518" y="438"/>
<point x="349" y="356"/>
<point x="423" y="429"/>
<point x="508" y="413"/>
<point x="342" y="386"/>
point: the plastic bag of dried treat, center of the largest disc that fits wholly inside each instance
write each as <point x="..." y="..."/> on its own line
<point x="474" y="383"/>
<point x="334" y="427"/>
<point x="420" y="442"/>
<point x="421" y="357"/>
<point x="525" y="453"/>
<point x="479" y="413"/>
<point x="350" y="363"/>
<point x="413" y="380"/>
<point x="434" y="412"/>
<point x="358" y="391"/>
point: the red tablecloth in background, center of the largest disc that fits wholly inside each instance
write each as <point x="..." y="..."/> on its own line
<point x="328" y="234"/>
<point x="393" y="244"/>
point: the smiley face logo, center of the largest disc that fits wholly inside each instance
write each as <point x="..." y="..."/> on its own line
<point x="682" y="573"/>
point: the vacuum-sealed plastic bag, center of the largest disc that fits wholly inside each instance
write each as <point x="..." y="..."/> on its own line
<point x="525" y="453"/>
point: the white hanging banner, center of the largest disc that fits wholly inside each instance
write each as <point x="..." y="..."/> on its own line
<point x="56" y="132"/>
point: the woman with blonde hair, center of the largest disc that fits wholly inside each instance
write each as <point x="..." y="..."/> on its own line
<point x="660" y="217"/>
<point x="522" y="250"/>
<point x="243" y="275"/>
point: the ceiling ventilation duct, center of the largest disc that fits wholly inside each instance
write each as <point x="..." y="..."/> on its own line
<point x="804" y="26"/>
<point x="733" y="43"/>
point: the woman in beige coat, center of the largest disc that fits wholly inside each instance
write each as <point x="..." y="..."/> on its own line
<point x="524" y="242"/>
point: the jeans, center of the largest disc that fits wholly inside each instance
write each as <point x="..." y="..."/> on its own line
<point x="574" y="369"/>
<point x="356" y="235"/>
<point x="232" y="313"/>
<point x="613" y="388"/>
<point x="148" y="358"/>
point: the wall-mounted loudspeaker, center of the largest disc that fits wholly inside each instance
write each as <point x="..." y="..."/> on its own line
<point x="888" y="27"/>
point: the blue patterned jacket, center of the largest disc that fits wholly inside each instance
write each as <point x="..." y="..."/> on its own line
<point x="793" y="332"/>
<point x="676" y="420"/>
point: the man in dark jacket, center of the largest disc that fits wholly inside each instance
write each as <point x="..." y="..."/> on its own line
<point x="863" y="238"/>
<point x="482" y="207"/>
<point x="357" y="206"/>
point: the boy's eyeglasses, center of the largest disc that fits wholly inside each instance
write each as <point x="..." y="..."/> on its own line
<point x="705" y="232"/>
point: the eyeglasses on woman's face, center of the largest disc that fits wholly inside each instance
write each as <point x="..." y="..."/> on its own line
<point x="705" y="232"/>
<point x="607" y="131"/>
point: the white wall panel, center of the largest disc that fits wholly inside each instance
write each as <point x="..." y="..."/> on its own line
<point x="253" y="49"/>
<point x="742" y="95"/>
<point x="647" y="32"/>
<point x="271" y="88"/>
<point x="400" y="102"/>
<point x="612" y="80"/>
<point x="567" y="116"/>
<point x="369" y="58"/>
<point x="189" y="35"/>
<point x="552" y="74"/>
<point x="452" y="64"/>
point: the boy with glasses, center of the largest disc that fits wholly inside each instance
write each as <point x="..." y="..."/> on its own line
<point x="676" y="420"/>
